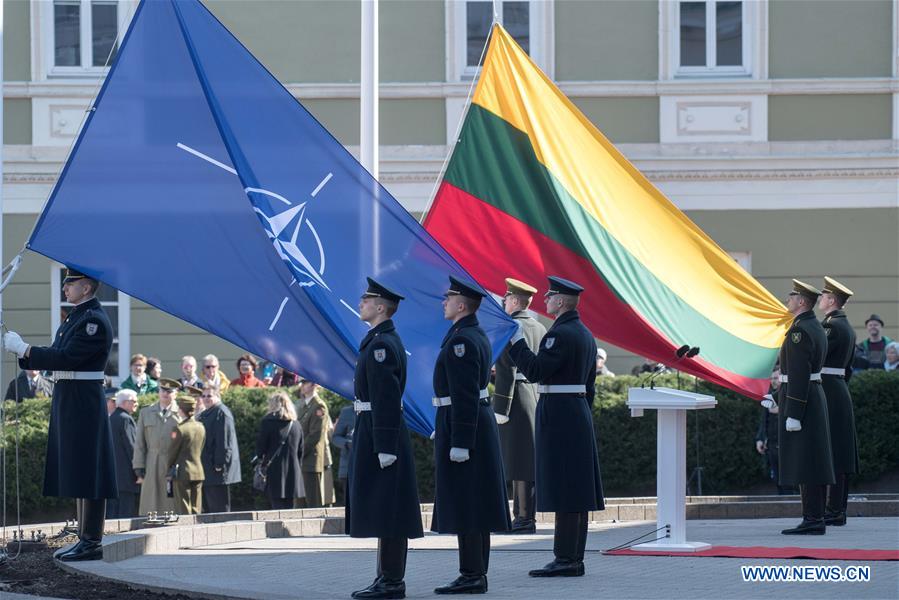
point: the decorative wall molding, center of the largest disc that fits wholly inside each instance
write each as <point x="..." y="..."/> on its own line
<point x="713" y="119"/>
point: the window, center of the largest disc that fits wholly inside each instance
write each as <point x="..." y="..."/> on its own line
<point x="744" y="259"/>
<point x="469" y="23"/>
<point x="711" y="38"/>
<point x="117" y="306"/>
<point x="78" y="37"/>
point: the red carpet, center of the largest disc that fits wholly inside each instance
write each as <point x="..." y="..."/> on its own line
<point x="764" y="552"/>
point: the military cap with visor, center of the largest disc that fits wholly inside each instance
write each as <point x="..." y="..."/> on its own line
<point x="169" y="384"/>
<point x="557" y="285"/>
<point x="800" y="288"/>
<point x="459" y="287"/>
<point x="832" y="286"/>
<point x="516" y="286"/>
<point x="379" y="290"/>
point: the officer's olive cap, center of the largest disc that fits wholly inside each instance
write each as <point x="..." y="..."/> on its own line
<point x="459" y="287"/>
<point x="564" y="286"/>
<point x="832" y="286"/>
<point x="804" y="289"/>
<point x="169" y="384"/>
<point x="193" y="390"/>
<point x="516" y="286"/>
<point x="379" y="290"/>
<point x="186" y="402"/>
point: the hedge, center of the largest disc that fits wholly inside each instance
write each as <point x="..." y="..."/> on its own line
<point x="627" y="445"/>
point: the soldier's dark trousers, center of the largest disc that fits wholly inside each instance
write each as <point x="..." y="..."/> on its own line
<point x="123" y="507"/>
<point x="392" y="559"/>
<point x="813" y="497"/>
<point x="314" y="490"/>
<point x="92" y="520"/>
<point x="838" y="494"/>
<point x="216" y="498"/>
<point x="570" y="538"/>
<point x="524" y="501"/>
<point x="474" y="553"/>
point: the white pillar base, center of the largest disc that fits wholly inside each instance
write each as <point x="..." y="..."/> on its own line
<point x="661" y="546"/>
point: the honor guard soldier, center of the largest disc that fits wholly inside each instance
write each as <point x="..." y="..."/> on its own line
<point x="834" y="375"/>
<point x="382" y="496"/>
<point x="80" y="461"/>
<point x="805" y="455"/>
<point x="470" y="496"/>
<point x="186" y="464"/>
<point x="515" y="404"/>
<point x="568" y="479"/>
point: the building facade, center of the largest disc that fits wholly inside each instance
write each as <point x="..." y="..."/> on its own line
<point x="774" y="124"/>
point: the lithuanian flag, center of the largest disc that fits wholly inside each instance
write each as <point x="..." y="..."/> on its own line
<point x="534" y="189"/>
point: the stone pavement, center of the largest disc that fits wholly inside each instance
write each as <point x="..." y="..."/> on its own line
<point x="331" y="566"/>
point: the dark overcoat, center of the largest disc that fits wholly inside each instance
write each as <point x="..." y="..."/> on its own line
<point x="840" y="416"/>
<point x="80" y="459"/>
<point x="123" y="435"/>
<point x="470" y="496"/>
<point x="805" y="455"/>
<point x="221" y="458"/>
<point x="515" y="397"/>
<point x="568" y="478"/>
<point x="382" y="503"/>
<point x="283" y="477"/>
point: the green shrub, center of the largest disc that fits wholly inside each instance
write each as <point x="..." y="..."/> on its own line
<point x="627" y="445"/>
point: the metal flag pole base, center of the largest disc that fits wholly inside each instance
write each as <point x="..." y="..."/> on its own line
<point x="671" y="461"/>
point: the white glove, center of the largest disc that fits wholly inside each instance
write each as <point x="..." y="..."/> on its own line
<point x="519" y="334"/>
<point x="770" y="404"/>
<point x="386" y="459"/>
<point x="793" y="424"/>
<point x="501" y="419"/>
<point x="459" y="454"/>
<point x="13" y="342"/>
<point x="433" y="434"/>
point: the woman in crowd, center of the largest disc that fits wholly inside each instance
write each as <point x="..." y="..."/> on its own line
<point x="892" y="356"/>
<point x="277" y="448"/>
<point x="246" y="366"/>
<point x="139" y="381"/>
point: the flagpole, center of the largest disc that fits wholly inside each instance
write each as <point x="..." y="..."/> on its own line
<point x="2" y="96"/>
<point x="368" y="107"/>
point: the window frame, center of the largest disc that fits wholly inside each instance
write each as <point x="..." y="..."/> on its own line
<point x="542" y="37"/>
<point x="122" y="305"/>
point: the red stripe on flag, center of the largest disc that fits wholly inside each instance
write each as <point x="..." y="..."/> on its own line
<point x="458" y="221"/>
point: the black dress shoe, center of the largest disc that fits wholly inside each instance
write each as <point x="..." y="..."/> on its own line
<point x="807" y="527"/>
<point x="85" y="550"/>
<point x="835" y="519"/>
<point x="465" y="584"/>
<point x="381" y="588"/>
<point x="63" y="551"/>
<point x="560" y="568"/>
<point x="521" y="527"/>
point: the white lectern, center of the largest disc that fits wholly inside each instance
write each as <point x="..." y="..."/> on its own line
<point x="671" y="460"/>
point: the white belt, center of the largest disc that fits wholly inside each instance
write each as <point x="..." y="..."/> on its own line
<point x="446" y="400"/>
<point x="812" y="377"/>
<point x="79" y="375"/>
<point x="833" y="371"/>
<point x="520" y="377"/>
<point x="360" y="406"/>
<point x="562" y="389"/>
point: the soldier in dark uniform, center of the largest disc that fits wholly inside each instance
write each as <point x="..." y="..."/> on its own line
<point x="80" y="461"/>
<point x="470" y="496"/>
<point x="382" y="497"/>
<point x="515" y="404"/>
<point x="834" y="376"/>
<point x="805" y="454"/>
<point x="568" y="479"/>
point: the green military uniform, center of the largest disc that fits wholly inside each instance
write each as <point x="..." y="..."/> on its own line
<point x="155" y="425"/>
<point x="805" y="455"/>
<point x="186" y="465"/>
<point x="834" y="375"/>
<point x="315" y="460"/>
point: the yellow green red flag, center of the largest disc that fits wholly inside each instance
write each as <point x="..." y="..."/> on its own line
<point x="534" y="189"/>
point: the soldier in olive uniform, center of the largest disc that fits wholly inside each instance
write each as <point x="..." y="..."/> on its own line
<point x="515" y="404"/>
<point x="470" y="496"/>
<point x="382" y="496"/>
<point x="805" y="454"/>
<point x="834" y="375"/>
<point x="568" y="479"/>
<point x="80" y="459"/>
<point x="315" y="458"/>
<point x="186" y="463"/>
<point x="155" y="425"/>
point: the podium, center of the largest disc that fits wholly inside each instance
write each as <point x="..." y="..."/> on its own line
<point x="671" y="461"/>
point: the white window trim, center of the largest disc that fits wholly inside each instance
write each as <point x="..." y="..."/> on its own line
<point x="42" y="46"/>
<point x="755" y="43"/>
<point x="744" y="259"/>
<point x="124" y="333"/>
<point x="542" y="50"/>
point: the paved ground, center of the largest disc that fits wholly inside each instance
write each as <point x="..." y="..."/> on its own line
<point x="333" y="566"/>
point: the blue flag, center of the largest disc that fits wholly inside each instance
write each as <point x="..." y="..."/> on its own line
<point x="199" y="185"/>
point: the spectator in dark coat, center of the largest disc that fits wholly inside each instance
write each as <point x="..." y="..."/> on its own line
<point x="221" y="460"/>
<point x="342" y="438"/>
<point x="29" y="384"/>
<point x="124" y="432"/>
<point x="277" y="448"/>
<point x="284" y="378"/>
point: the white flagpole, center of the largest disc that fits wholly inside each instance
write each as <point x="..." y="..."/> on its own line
<point x="2" y="95"/>
<point x="368" y="107"/>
